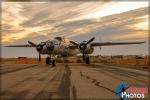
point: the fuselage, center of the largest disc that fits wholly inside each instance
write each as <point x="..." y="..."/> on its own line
<point x="62" y="47"/>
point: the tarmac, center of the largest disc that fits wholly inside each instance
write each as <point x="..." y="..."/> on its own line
<point x="67" y="81"/>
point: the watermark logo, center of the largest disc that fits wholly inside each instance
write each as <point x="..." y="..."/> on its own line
<point x="125" y="91"/>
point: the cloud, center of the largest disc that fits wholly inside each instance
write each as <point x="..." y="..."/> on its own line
<point x="78" y="20"/>
<point x="11" y="14"/>
<point x="114" y="25"/>
<point x="28" y="19"/>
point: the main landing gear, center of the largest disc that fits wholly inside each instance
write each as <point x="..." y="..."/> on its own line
<point x="86" y="59"/>
<point x="49" y="61"/>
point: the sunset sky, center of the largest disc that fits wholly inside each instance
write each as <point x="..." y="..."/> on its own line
<point x="39" y="21"/>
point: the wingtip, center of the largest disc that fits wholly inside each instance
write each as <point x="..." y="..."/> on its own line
<point x="143" y="42"/>
<point x="5" y="46"/>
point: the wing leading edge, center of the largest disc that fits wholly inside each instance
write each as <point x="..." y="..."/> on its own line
<point x="31" y="44"/>
<point x="19" y="46"/>
<point x="113" y="43"/>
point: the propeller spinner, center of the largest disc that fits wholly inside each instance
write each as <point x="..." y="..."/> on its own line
<point x="50" y="46"/>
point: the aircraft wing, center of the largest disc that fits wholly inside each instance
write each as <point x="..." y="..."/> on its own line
<point x="113" y="43"/>
<point x="72" y="47"/>
<point x="26" y="45"/>
<point x="31" y="44"/>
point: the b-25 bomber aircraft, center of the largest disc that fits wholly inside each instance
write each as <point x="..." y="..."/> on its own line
<point x="65" y="47"/>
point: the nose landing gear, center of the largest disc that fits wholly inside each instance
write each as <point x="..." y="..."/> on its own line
<point x="53" y="63"/>
<point x="49" y="61"/>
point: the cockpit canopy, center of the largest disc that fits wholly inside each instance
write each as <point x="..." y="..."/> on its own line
<point x="59" y="38"/>
<point x="62" y="39"/>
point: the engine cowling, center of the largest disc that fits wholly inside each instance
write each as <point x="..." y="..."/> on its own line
<point x="82" y="46"/>
<point x="85" y="48"/>
<point x="50" y="46"/>
<point x="39" y="47"/>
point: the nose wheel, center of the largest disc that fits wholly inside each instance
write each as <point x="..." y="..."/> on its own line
<point x="49" y="61"/>
<point x="53" y="63"/>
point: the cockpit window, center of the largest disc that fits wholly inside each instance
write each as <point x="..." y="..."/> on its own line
<point x="59" y="38"/>
<point x="56" y="42"/>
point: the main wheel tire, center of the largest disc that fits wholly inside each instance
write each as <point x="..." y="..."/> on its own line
<point x="87" y="60"/>
<point x="47" y="61"/>
<point x="53" y="63"/>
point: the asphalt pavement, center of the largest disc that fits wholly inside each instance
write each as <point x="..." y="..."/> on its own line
<point x="67" y="81"/>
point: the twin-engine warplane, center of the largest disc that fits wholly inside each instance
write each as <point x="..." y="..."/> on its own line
<point x="65" y="47"/>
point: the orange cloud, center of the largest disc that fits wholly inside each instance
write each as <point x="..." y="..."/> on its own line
<point x="25" y="33"/>
<point x="133" y="35"/>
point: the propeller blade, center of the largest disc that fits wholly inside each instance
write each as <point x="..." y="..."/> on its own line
<point x="90" y="40"/>
<point x="31" y="43"/>
<point x="39" y="57"/>
<point x="74" y="43"/>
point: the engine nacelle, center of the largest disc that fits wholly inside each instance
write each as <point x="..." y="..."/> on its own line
<point x="85" y="48"/>
<point x="41" y="48"/>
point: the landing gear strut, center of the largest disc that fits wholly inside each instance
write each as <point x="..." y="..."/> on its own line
<point x="53" y="63"/>
<point x="87" y="59"/>
<point x="49" y="61"/>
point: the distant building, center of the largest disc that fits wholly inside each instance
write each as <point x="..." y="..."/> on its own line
<point x="22" y="60"/>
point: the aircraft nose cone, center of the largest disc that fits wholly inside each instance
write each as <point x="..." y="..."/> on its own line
<point x="50" y="46"/>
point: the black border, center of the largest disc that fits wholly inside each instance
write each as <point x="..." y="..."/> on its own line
<point x="76" y="1"/>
